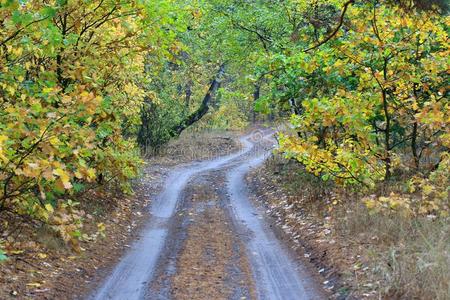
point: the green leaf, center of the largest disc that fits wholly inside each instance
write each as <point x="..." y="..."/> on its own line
<point x="16" y="17"/>
<point x="325" y="177"/>
<point x="78" y="187"/>
<point x="49" y="11"/>
<point x="2" y="255"/>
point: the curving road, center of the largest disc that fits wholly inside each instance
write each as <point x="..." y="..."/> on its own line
<point x="275" y="274"/>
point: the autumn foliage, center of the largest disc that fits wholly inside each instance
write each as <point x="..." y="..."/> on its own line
<point x="365" y="84"/>
<point x="69" y="84"/>
<point x="374" y="105"/>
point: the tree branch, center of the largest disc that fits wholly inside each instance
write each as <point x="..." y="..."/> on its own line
<point x="20" y="30"/>
<point x="336" y="30"/>
<point x="204" y="107"/>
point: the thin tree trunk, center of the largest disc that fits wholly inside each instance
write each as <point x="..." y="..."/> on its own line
<point x="188" y="94"/>
<point x="387" y="117"/>
<point x="414" y="133"/>
<point x="414" y="145"/>
<point x="387" y="136"/>
<point x="256" y="95"/>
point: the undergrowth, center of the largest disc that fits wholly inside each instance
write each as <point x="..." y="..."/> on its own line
<point x="407" y="257"/>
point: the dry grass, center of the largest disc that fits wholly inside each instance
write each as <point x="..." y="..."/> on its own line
<point x="400" y="257"/>
<point x="315" y="194"/>
<point x="408" y="258"/>
<point x="196" y="145"/>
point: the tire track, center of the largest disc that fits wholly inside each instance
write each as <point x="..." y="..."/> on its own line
<point x="275" y="273"/>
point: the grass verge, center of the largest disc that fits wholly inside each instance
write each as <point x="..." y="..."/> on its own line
<point x="359" y="253"/>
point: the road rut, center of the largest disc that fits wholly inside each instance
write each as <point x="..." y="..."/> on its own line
<point x="275" y="274"/>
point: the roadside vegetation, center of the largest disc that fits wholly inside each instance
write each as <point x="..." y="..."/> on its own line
<point x="360" y="253"/>
<point x="90" y="90"/>
<point x="40" y="265"/>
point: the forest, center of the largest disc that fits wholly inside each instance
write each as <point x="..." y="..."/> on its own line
<point x="358" y="91"/>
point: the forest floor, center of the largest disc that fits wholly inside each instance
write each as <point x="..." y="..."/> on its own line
<point x="216" y="216"/>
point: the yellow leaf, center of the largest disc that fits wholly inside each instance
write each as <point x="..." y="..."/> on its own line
<point x="3" y="138"/>
<point x="101" y="226"/>
<point x="91" y="173"/>
<point x="78" y="174"/>
<point x="427" y="189"/>
<point x="47" y="90"/>
<point x="49" y="207"/>
<point x="55" y="141"/>
<point x="370" y="203"/>
<point x="65" y="179"/>
<point x="34" y="284"/>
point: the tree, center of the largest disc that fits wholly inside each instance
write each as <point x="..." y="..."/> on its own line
<point x="70" y="80"/>
<point x="383" y="89"/>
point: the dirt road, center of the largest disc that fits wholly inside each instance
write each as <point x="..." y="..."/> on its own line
<point x="206" y="240"/>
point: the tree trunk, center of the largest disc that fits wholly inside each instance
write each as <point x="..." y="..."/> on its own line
<point x="387" y="117"/>
<point x="414" y="145"/>
<point x="256" y="95"/>
<point x="387" y="136"/>
<point x="188" y="94"/>
<point x="204" y="107"/>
